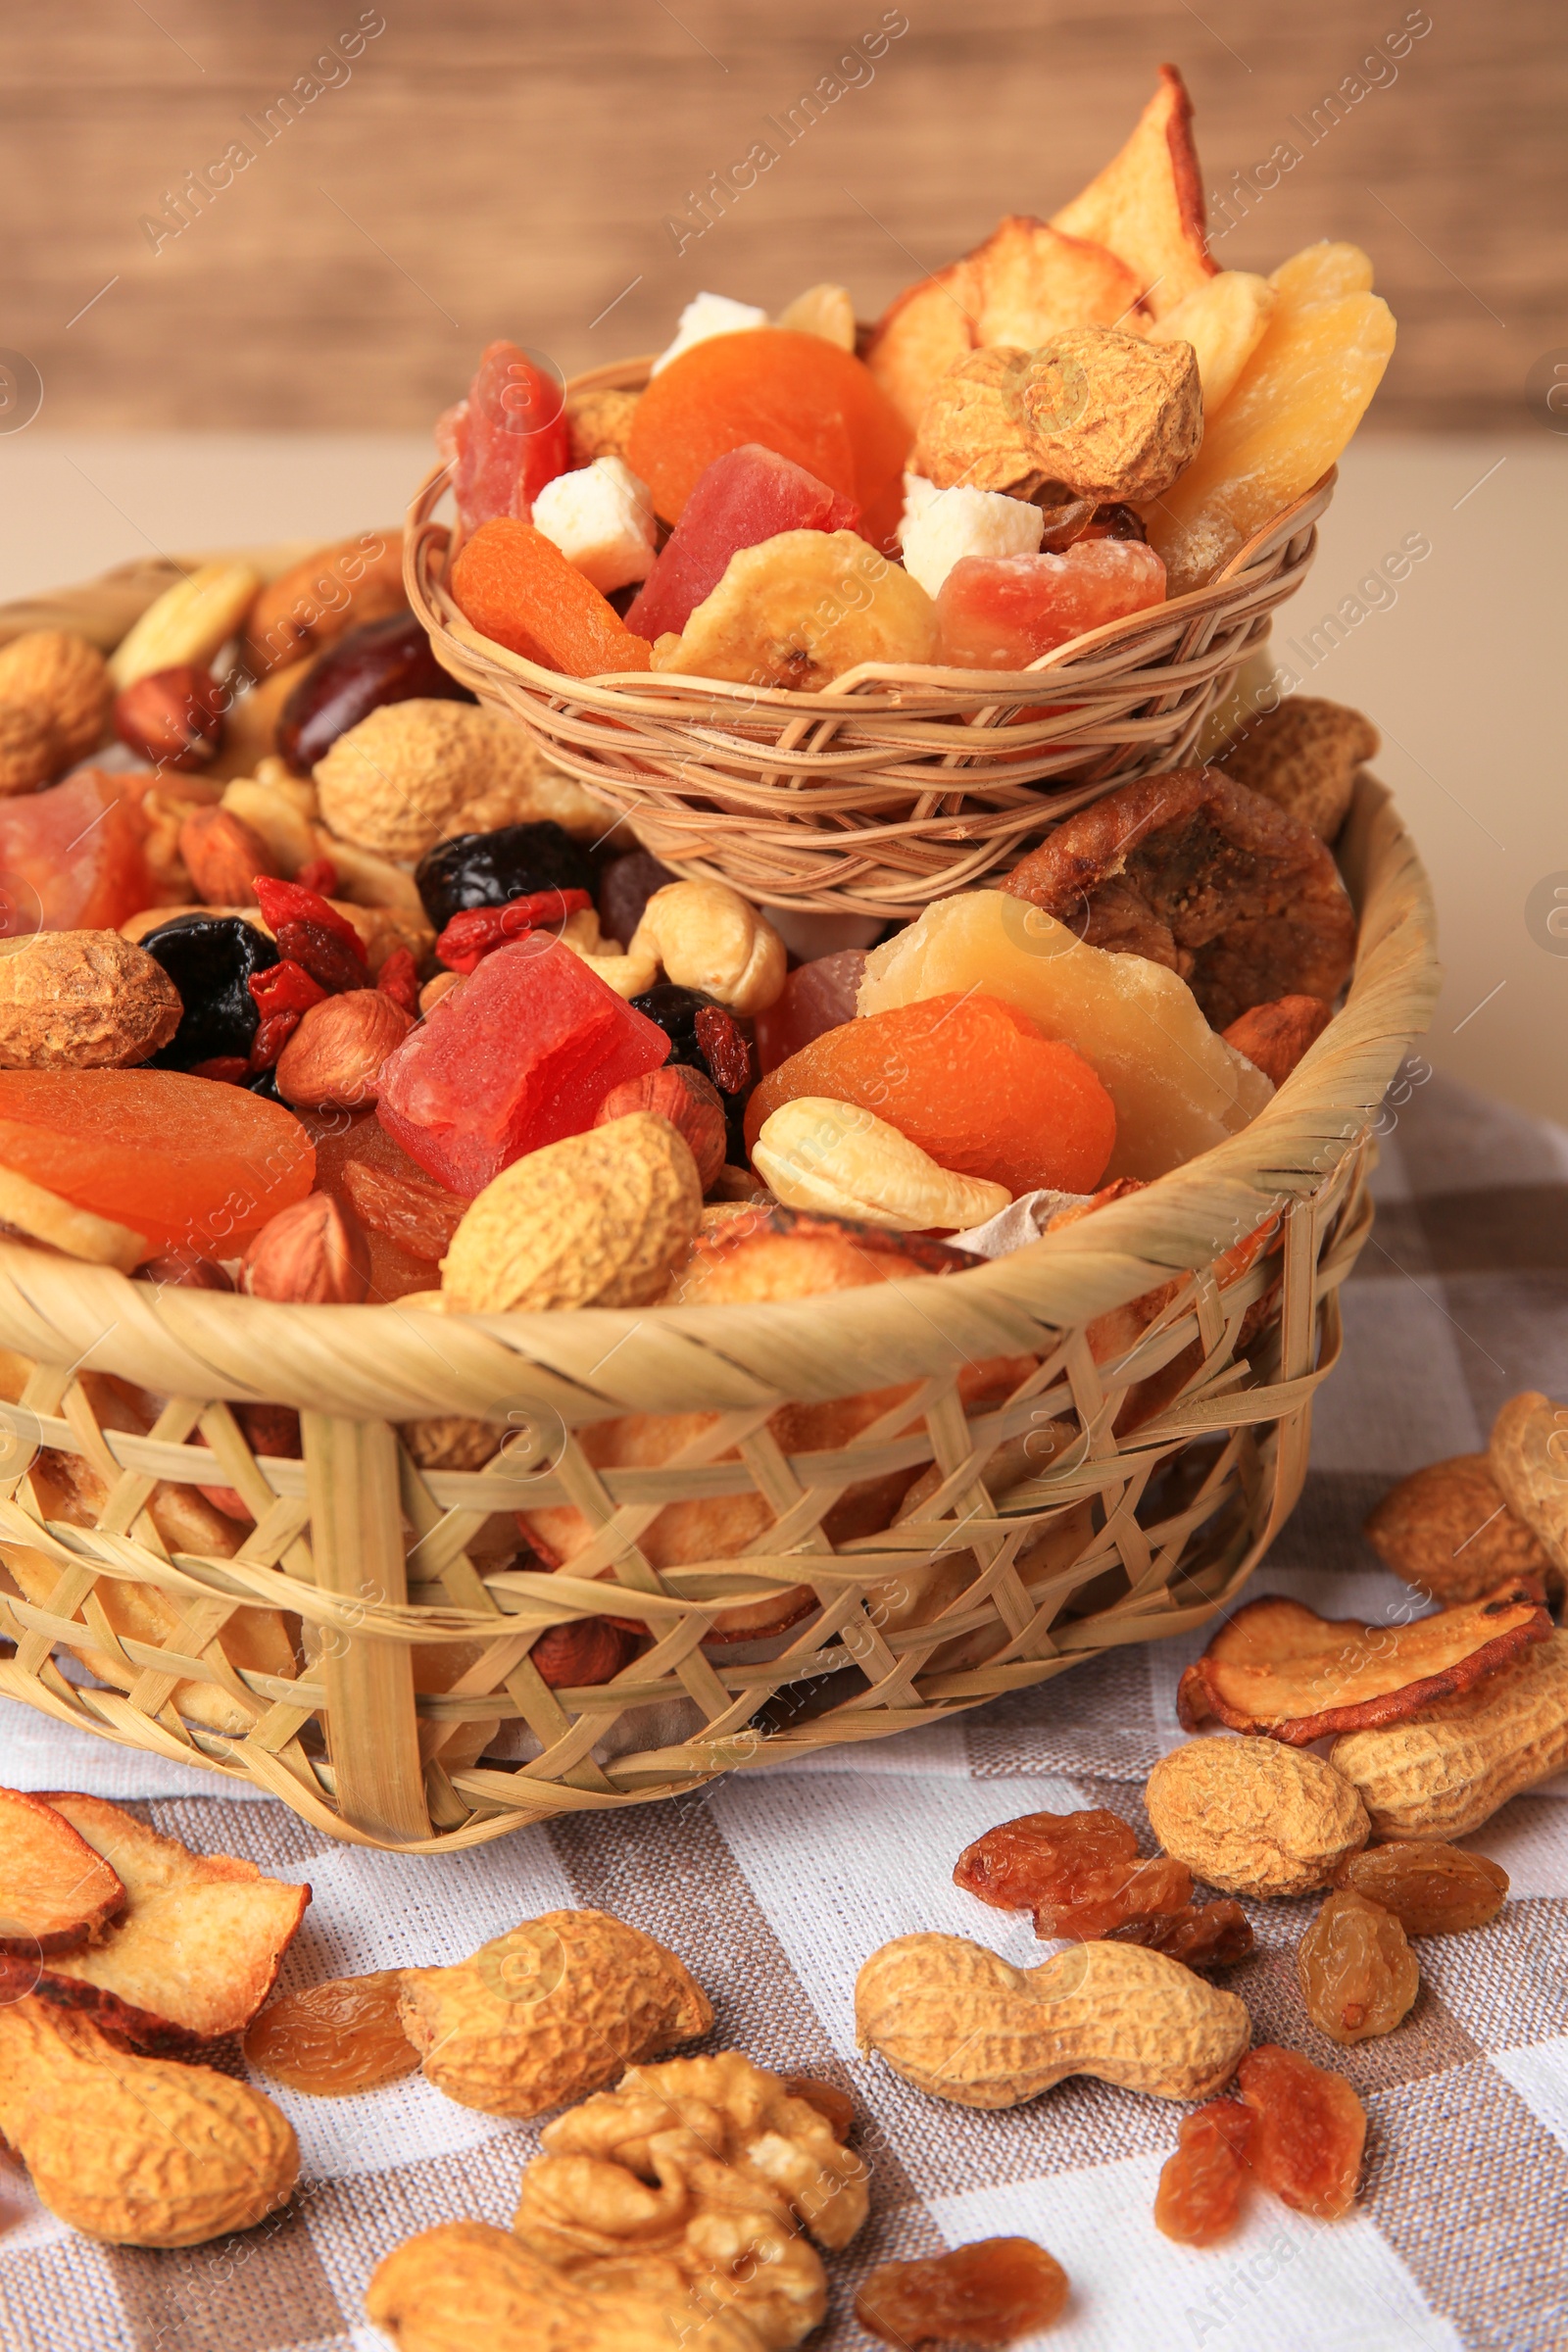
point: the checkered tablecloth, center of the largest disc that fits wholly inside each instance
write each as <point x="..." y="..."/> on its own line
<point x="773" y="1886"/>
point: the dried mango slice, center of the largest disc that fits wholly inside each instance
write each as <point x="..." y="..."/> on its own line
<point x="1279" y="1668"/>
<point x="1296" y="405"/>
<point x="1224" y="320"/>
<point x="800" y="609"/>
<point x="1147" y="202"/>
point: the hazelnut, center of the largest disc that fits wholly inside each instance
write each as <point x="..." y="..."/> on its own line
<point x="312" y="1253"/>
<point x="173" y="717"/>
<point x="65" y="680"/>
<point x="688" y="1098"/>
<point x="334" y="1059"/>
<point x="222" y="855"/>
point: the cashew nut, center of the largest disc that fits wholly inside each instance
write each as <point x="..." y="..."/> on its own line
<point x="708" y="937"/>
<point x="843" y="1160"/>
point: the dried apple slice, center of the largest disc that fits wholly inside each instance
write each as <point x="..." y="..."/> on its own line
<point x="56" y="1891"/>
<point x="197" y="1950"/>
<point x="1279" y="1668"/>
<point x="1147" y="202"/>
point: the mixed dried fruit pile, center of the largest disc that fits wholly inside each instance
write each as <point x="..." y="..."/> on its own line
<point x="1075" y="422"/>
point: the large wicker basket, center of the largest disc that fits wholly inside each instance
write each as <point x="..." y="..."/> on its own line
<point x="411" y="1650"/>
<point x="896" y="782"/>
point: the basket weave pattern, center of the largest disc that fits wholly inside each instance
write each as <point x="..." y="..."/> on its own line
<point x="416" y="1648"/>
<point x="862" y="798"/>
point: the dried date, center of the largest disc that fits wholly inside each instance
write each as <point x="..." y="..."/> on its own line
<point x="1309" y="2130"/>
<point x="1358" y="1975"/>
<point x="1201" y="2187"/>
<point x="990" y="2293"/>
<point x="1431" y="1890"/>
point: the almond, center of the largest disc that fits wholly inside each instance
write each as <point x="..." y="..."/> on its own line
<point x="334" y="1059"/>
<point x="173" y="717"/>
<point x="313" y="1254"/>
<point x="222" y="855"/>
<point x="595" y="1220"/>
<point x="688" y="1098"/>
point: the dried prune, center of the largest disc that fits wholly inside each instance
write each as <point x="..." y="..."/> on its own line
<point x="382" y="662"/>
<point x="210" y="958"/>
<point x="1431" y="1890"/>
<point x="1358" y="1975"/>
<point x="1199" y="2192"/>
<point x="990" y="2293"/>
<point x="827" y="2099"/>
<point x="677" y="1011"/>
<point x="489" y="869"/>
<point x="1079" y="1873"/>
<point x="1200" y="1935"/>
<point x="1308" y="2129"/>
<point x="334" y="2039"/>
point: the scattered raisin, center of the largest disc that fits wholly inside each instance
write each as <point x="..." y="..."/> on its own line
<point x="420" y="1217"/>
<point x="1078" y="1873"/>
<point x="1308" y="2129"/>
<point x="827" y="2099"/>
<point x="990" y="2293"/>
<point x="1431" y="1890"/>
<point x="334" y="2039"/>
<point x="1200" y="1935"/>
<point x="1199" y="2192"/>
<point x="1358" y="1975"/>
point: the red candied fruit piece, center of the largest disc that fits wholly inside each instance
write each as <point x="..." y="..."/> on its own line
<point x="971" y="1081"/>
<point x="508" y="439"/>
<point x="1003" y="612"/>
<point x="521" y="1054"/>
<point x="815" y="998"/>
<point x="71" y="857"/>
<point x="794" y="394"/>
<point x="517" y="589"/>
<point x="748" y="495"/>
<point x="191" y="1165"/>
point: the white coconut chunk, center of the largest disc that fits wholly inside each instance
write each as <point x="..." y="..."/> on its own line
<point x="707" y="316"/>
<point x="960" y="523"/>
<point x="601" y="516"/>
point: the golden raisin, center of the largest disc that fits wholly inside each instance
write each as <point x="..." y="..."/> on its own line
<point x="1199" y="2192"/>
<point x="827" y="2099"/>
<point x="990" y="2293"/>
<point x="1308" y="2129"/>
<point x="1078" y="1873"/>
<point x="1431" y="1890"/>
<point x="1358" y="1975"/>
<point x="335" y="2037"/>
<point x="1200" y="1935"/>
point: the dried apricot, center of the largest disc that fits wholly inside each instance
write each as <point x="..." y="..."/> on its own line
<point x="1078" y="1873"/>
<point x="1358" y="1975"/>
<point x="1200" y="1935"/>
<point x="517" y="589"/>
<point x="333" y="2038"/>
<point x="1199" y="2192"/>
<point x="968" y="1078"/>
<point x="1308" y="2129"/>
<point x="1431" y="1890"/>
<point x="794" y="394"/>
<point x="990" y="2293"/>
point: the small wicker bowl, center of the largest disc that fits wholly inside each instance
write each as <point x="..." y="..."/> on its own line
<point x="899" y="782"/>
<point x="356" y="1653"/>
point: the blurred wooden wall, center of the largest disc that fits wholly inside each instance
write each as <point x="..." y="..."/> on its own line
<point x="487" y="166"/>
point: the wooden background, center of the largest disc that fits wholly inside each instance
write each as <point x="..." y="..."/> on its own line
<point x="487" y="166"/>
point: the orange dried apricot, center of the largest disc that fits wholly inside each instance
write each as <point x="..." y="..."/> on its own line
<point x="517" y="589"/>
<point x="190" y="1164"/>
<point x="802" y="397"/>
<point x="971" y="1080"/>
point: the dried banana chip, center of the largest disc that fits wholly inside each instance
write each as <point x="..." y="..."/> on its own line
<point x="800" y="609"/>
